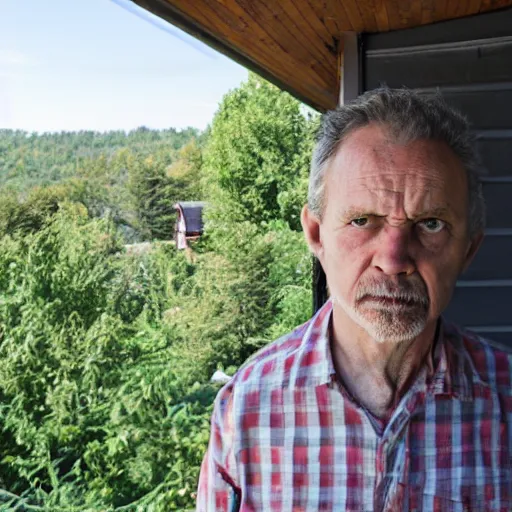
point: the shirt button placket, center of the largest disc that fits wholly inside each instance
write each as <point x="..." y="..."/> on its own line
<point x="392" y="455"/>
<point x="380" y="472"/>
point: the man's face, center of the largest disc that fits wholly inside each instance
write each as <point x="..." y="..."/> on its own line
<point x="394" y="235"/>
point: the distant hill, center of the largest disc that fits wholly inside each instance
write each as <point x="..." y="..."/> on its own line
<point x="133" y="178"/>
<point x="29" y="159"/>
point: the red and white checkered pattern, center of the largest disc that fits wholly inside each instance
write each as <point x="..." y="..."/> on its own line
<point x="286" y="436"/>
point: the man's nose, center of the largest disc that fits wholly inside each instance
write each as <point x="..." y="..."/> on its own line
<point x="392" y="251"/>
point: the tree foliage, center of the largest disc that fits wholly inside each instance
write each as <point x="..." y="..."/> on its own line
<point x="92" y="412"/>
<point x="29" y="159"/>
<point x="107" y="355"/>
<point x="254" y="157"/>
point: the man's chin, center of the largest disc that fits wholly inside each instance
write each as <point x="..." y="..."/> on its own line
<point x="396" y="326"/>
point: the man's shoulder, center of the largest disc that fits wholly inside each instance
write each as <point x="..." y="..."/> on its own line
<point x="269" y="368"/>
<point x="491" y="360"/>
<point x="274" y="361"/>
<point x="295" y="359"/>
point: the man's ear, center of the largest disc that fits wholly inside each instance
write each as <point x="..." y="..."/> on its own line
<point x="311" y="226"/>
<point x="474" y="245"/>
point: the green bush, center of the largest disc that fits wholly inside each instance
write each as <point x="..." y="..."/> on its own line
<point x="93" y="415"/>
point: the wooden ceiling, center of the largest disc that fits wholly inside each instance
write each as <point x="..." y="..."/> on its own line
<point x="297" y="43"/>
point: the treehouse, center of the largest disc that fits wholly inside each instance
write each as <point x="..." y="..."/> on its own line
<point x="327" y="52"/>
<point x="189" y="223"/>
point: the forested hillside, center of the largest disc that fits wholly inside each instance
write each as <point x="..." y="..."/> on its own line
<point x="105" y="392"/>
<point x="133" y="178"/>
<point x="40" y="159"/>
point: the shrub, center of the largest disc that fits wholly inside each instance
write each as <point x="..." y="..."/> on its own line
<point x="93" y="413"/>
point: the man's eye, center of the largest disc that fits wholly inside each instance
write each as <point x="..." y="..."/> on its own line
<point x="360" y="222"/>
<point x="432" y="225"/>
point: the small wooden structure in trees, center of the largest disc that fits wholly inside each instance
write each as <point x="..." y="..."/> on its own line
<point x="189" y="223"/>
<point x="327" y="52"/>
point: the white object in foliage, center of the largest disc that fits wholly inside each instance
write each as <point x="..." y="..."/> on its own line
<point x="220" y="377"/>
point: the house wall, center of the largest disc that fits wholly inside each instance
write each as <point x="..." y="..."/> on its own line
<point x="470" y="62"/>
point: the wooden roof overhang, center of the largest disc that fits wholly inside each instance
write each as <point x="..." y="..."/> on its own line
<point x="298" y="44"/>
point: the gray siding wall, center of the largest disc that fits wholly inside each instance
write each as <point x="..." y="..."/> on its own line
<point x="470" y="62"/>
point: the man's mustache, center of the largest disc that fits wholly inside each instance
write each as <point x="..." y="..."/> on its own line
<point x="412" y="290"/>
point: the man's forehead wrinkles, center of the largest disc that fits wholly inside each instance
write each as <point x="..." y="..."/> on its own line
<point x="399" y="178"/>
<point x="396" y="182"/>
<point x="386" y="193"/>
<point x="410" y="194"/>
<point x="385" y="200"/>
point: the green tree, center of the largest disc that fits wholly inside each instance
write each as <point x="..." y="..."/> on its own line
<point x="255" y="153"/>
<point x="152" y="191"/>
<point x="30" y="212"/>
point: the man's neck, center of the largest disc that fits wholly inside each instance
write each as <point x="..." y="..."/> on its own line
<point x="376" y="374"/>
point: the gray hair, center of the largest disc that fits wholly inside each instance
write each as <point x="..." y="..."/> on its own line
<point x="409" y="117"/>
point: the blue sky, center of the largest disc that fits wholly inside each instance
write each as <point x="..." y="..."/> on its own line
<point x="95" y="65"/>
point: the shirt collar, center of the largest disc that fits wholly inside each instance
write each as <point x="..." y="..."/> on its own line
<point x="454" y="372"/>
<point x="316" y="340"/>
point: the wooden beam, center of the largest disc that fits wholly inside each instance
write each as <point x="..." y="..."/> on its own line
<point x="283" y="47"/>
<point x="296" y="44"/>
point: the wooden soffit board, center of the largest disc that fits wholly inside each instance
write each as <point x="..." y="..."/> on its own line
<point x="297" y="44"/>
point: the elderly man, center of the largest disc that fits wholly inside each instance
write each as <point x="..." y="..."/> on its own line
<point x="376" y="403"/>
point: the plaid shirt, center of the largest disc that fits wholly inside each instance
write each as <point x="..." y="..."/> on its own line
<point x="287" y="437"/>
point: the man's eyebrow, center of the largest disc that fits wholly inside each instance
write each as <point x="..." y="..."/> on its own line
<point x="440" y="211"/>
<point x="354" y="213"/>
